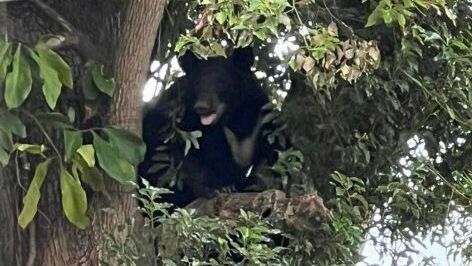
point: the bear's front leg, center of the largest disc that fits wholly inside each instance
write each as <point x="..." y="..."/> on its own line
<point x="195" y="177"/>
<point x="243" y="149"/>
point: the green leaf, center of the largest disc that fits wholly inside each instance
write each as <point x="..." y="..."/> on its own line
<point x="55" y="119"/>
<point x="31" y="148"/>
<point x="387" y="17"/>
<point x="131" y="147"/>
<point x="91" y="176"/>
<point x="362" y="200"/>
<point x="218" y="49"/>
<point x="220" y="17"/>
<point x="72" y="141"/>
<point x="74" y="200"/>
<point x="111" y="161"/>
<point x="88" y="154"/>
<point x="5" y="59"/>
<point x="18" y="81"/>
<point x="51" y="83"/>
<point x="6" y="140"/>
<point x="4" y="157"/>
<point x="188" y="145"/>
<point x="6" y="146"/>
<point x="107" y="86"/>
<point x="260" y="34"/>
<point x="55" y="61"/>
<point x="372" y="20"/>
<point x="12" y="123"/>
<point x="401" y="20"/>
<point x="31" y="199"/>
<point x="71" y="114"/>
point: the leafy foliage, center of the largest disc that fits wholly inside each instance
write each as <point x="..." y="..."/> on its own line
<point x="21" y="113"/>
<point x="183" y="239"/>
<point x="377" y="90"/>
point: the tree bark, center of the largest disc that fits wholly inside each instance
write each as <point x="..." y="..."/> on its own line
<point x="132" y="64"/>
<point x="50" y="239"/>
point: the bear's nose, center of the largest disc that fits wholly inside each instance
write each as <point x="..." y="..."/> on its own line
<point x="202" y="108"/>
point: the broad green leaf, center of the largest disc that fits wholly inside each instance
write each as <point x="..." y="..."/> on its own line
<point x="12" y="123"/>
<point x="18" y="81"/>
<point x="6" y="140"/>
<point x="112" y="162"/>
<point x="373" y="18"/>
<point x="5" y="59"/>
<point x="4" y="157"/>
<point x="131" y="147"/>
<point x="91" y="176"/>
<point x="218" y="49"/>
<point x="72" y="141"/>
<point x="107" y="86"/>
<point x="31" y="148"/>
<point x="55" y="61"/>
<point x="74" y="200"/>
<point x="188" y="145"/>
<point x="31" y="199"/>
<point x="88" y="154"/>
<point x="6" y="146"/>
<point x="51" y="83"/>
<point x="55" y="119"/>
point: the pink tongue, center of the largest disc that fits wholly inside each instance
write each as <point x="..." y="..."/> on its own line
<point x="207" y="119"/>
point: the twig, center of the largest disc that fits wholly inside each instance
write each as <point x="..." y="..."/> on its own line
<point x="54" y="15"/>
<point x="3" y="20"/>
<point x="46" y="135"/>
<point x="337" y="19"/>
<point x="32" y="245"/>
<point x="17" y="173"/>
<point x="294" y="9"/>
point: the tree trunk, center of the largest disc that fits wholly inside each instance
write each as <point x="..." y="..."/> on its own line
<point x="50" y="239"/>
<point x="132" y="64"/>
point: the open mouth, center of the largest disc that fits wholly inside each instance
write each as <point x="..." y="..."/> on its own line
<point x="207" y="119"/>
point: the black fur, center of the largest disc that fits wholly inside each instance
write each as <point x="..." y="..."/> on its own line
<point x="227" y="88"/>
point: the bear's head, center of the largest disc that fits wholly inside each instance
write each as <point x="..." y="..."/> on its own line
<point x="217" y="84"/>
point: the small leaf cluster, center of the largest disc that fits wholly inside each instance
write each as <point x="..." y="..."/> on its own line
<point x="289" y="164"/>
<point x="184" y="239"/>
<point x="325" y="55"/>
<point x="237" y="22"/>
<point x="390" y="12"/>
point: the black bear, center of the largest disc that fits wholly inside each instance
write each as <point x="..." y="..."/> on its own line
<point x="221" y="98"/>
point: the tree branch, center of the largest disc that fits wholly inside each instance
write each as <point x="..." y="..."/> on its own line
<point x="296" y="212"/>
<point x="55" y="16"/>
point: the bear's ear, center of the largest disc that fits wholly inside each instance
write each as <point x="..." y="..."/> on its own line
<point x="188" y="62"/>
<point x="243" y="58"/>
